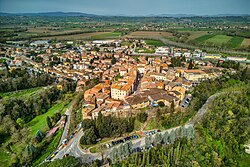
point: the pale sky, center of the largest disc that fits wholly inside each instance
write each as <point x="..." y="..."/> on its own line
<point x="128" y="7"/>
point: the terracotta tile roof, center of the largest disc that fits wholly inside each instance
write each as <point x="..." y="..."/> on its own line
<point x="195" y="71"/>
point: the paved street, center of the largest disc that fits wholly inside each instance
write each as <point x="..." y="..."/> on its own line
<point x="73" y="148"/>
<point x="67" y="123"/>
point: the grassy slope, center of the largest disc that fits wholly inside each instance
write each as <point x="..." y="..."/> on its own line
<point x="4" y="156"/>
<point x="39" y="122"/>
<point x="27" y="92"/>
<point x="50" y="148"/>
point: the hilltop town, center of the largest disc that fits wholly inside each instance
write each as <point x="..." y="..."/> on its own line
<point x="136" y="88"/>
<point x="125" y="83"/>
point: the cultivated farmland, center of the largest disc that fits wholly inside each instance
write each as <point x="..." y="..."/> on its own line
<point x="109" y="35"/>
<point x="203" y="38"/>
<point x="246" y="42"/>
<point x="149" y="34"/>
<point x="76" y="36"/>
<point x="154" y="42"/>
<point x="219" y="39"/>
<point x="235" y="42"/>
<point x="196" y="34"/>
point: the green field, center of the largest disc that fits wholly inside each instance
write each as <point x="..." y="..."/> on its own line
<point x="155" y="43"/>
<point x="228" y="41"/>
<point x="27" y="92"/>
<point x="219" y="39"/>
<point x="110" y="35"/>
<point x="235" y="42"/>
<point x="39" y="122"/>
<point x="203" y="38"/>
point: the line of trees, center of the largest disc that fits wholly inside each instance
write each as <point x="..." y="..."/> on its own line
<point x="29" y="107"/>
<point x="19" y="79"/>
<point x="169" y="137"/>
<point x="172" y="154"/>
<point x="229" y="64"/>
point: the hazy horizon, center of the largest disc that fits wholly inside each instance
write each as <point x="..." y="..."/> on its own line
<point x="128" y="7"/>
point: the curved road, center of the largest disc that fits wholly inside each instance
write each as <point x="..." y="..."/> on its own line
<point x="73" y="148"/>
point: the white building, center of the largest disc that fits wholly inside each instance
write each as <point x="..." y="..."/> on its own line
<point x="162" y="50"/>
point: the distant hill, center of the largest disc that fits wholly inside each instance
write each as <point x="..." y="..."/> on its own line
<point x="192" y="15"/>
<point x="173" y="15"/>
<point x="68" y="14"/>
<point x="58" y="14"/>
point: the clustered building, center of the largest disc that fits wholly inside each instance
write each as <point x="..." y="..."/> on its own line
<point x="126" y="83"/>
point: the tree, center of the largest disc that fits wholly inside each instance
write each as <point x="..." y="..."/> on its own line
<point x="172" y="136"/>
<point x="172" y="108"/>
<point x="87" y="123"/>
<point x="147" y="141"/>
<point x="29" y="153"/>
<point x="142" y="117"/>
<point x="161" y="104"/>
<point x="183" y="58"/>
<point x="113" y="154"/>
<point x="190" y="65"/>
<point x="67" y="161"/>
<point x="113" y="60"/>
<point x="39" y="136"/>
<point x="91" y="61"/>
<point x="166" y="137"/>
<point x="20" y="122"/>
<point x="89" y="137"/>
<point x="158" y="113"/>
<point x="49" y="123"/>
<point x="158" y="138"/>
<point x="245" y="74"/>
<point x="190" y="132"/>
<point x="178" y="132"/>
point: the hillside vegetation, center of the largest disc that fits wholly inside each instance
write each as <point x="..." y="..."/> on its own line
<point x="219" y="138"/>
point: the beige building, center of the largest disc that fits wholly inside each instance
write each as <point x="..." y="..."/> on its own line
<point x="120" y="90"/>
<point x="194" y="75"/>
<point x="181" y="90"/>
<point x="158" y="76"/>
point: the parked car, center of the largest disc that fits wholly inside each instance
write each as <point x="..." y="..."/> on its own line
<point x="107" y="145"/>
<point x="64" y="141"/>
<point x="66" y="155"/>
